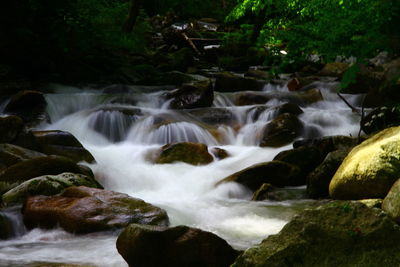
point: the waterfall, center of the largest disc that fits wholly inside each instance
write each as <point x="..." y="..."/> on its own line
<point x="122" y="131"/>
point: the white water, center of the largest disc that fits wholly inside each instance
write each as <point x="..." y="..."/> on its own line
<point x="188" y="193"/>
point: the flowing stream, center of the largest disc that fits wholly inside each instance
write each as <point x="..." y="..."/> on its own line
<point x="123" y="131"/>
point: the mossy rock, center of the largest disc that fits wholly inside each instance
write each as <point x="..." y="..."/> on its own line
<point x="340" y="233"/>
<point x="47" y="185"/>
<point x="12" y="154"/>
<point x="180" y="246"/>
<point x="191" y="153"/>
<point x="370" y="169"/>
<point x="281" y="131"/>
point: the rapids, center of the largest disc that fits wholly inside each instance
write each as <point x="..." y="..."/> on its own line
<point x="122" y="130"/>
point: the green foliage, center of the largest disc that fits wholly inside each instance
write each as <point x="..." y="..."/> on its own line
<point x="326" y="27"/>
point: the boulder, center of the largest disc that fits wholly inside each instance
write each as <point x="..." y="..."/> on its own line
<point x="276" y="111"/>
<point x="219" y="153"/>
<point x="309" y="96"/>
<point x="306" y="158"/>
<point x="10" y="127"/>
<point x="259" y="74"/>
<point x="213" y="115"/>
<point x="250" y="98"/>
<point x="319" y="179"/>
<point x="370" y="169"/>
<point x="194" y="95"/>
<point x="46" y="165"/>
<point x="12" y="154"/>
<point x="180" y="246"/>
<point x="391" y="203"/>
<point x="62" y="144"/>
<point x="339" y="233"/>
<point x="228" y="82"/>
<point x="276" y="173"/>
<point x="366" y="80"/>
<point x="298" y="83"/>
<point x="30" y="106"/>
<point x="282" y="130"/>
<point x="269" y="192"/>
<point x="83" y="210"/>
<point x="191" y="153"/>
<point x="335" y="69"/>
<point x="48" y="185"/>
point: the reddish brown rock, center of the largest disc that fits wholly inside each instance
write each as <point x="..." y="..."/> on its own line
<point x="83" y="210"/>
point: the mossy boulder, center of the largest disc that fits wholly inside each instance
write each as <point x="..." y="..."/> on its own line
<point x="47" y="185"/>
<point x="282" y="130"/>
<point x="180" y="246"/>
<point x="370" y="169"/>
<point x="340" y="233"/>
<point x="276" y="173"/>
<point x="46" y="165"/>
<point x="62" y="143"/>
<point x="83" y="210"/>
<point x="191" y="153"/>
<point x="12" y="154"/>
<point x="10" y="127"/>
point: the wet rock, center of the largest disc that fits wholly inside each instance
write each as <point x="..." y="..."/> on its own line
<point x="62" y="144"/>
<point x="276" y="173"/>
<point x="228" y="82"/>
<point x="180" y="246"/>
<point x="269" y="192"/>
<point x="391" y="203"/>
<point x="28" y="105"/>
<point x="10" y="127"/>
<point x="380" y="119"/>
<point x="250" y="98"/>
<point x="310" y="96"/>
<point x="195" y="95"/>
<point x="191" y="153"/>
<point x="114" y="122"/>
<point x="278" y="110"/>
<point x="339" y="233"/>
<point x="319" y="179"/>
<point x="47" y="185"/>
<point x="47" y="165"/>
<point x="282" y="130"/>
<point x="11" y="154"/>
<point x="335" y="69"/>
<point x="328" y="143"/>
<point x="214" y="116"/>
<point x="83" y="210"/>
<point x="306" y="158"/>
<point x="365" y="81"/>
<point x="370" y="169"/>
<point x="258" y="74"/>
<point x="219" y="153"/>
<point x="298" y="83"/>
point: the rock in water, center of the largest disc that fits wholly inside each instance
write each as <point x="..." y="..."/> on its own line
<point x="370" y="169"/>
<point x="340" y="233"/>
<point x="191" y="153"/>
<point x="180" y="246"/>
<point x="194" y="95"/>
<point x="48" y="185"/>
<point x="276" y="173"/>
<point x="83" y="210"/>
<point x="62" y="144"/>
<point x="282" y="130"/>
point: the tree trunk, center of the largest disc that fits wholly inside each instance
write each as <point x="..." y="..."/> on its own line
<point x="132" y="16"/>
<point x="258" y="25"/>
